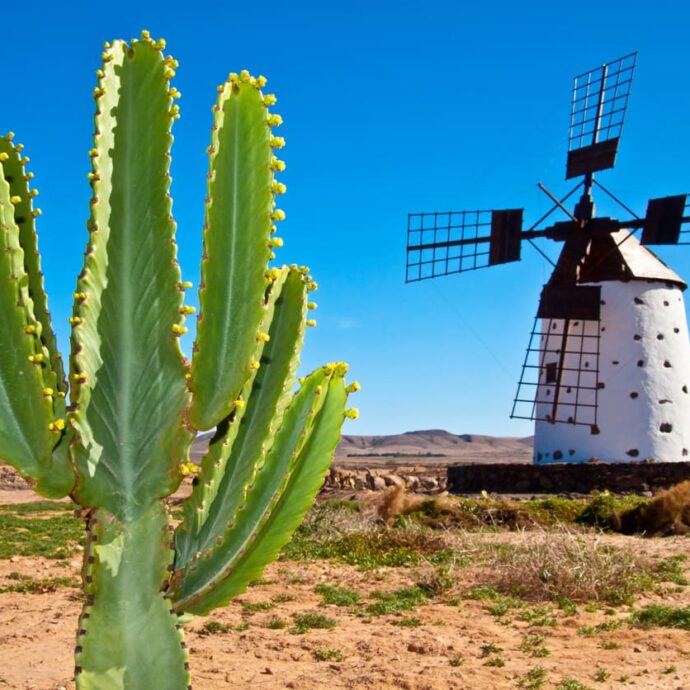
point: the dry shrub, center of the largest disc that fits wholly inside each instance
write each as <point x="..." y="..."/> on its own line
<point x="444" y="512"/>
<point x="667" y="514"/>
<point x="565" y="564"/>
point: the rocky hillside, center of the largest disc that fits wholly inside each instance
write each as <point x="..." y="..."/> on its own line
<point x="431" y="445"/>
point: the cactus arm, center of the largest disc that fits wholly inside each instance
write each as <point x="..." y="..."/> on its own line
<point x="126" y="366"/>
<point x="236" y="251"/>
<point x="127" y="637"/>
<point x="244" y="443"/>
<point x="29" y="425"/>
<point x="276" y="502"/>
<point x="25" y="218"/>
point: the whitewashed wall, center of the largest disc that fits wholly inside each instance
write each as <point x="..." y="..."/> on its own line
<point x="644" y="380"/>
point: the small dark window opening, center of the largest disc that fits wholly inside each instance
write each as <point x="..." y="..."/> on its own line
<point x="551" y="372"/>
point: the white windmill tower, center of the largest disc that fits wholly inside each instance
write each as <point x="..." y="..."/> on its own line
<point x="607" y="370"/>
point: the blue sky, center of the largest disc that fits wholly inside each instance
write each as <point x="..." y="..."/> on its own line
<point x="389" y="107"/>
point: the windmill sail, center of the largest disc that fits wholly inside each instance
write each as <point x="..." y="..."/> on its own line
<point x="442" y="243"/>
<point x="600" y="99"/>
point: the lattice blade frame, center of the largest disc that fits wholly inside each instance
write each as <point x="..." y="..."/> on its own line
<point x="599" y="102"/>
<point x="559" y="382"/>
<point x="442" y="243"/>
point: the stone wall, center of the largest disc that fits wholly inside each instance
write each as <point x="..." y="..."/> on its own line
<point x="637" y="477"/>
<point x="427" y="479"/>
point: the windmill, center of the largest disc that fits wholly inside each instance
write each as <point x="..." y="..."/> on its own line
<point x="607" y="369"/>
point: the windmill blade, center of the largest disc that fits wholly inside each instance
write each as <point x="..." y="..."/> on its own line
<point x="667" y="221"/>
<point x="600" y="99"/>
<point x="559" y="382"/>
<point x="442" y="243"/>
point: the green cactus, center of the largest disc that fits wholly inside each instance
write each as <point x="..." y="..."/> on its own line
<point x="135" y="403"/>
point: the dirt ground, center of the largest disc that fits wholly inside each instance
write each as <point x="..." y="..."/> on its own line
<point x="447" y="650"/>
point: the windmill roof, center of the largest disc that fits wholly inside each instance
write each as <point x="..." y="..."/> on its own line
<point x="620" y="256"/>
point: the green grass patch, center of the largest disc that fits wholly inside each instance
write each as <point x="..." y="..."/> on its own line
<point x="215" y="627"/>
<point x="257" y="605"/>
<point x="275" y="623"/>
<point x="672" y="570"/>
<point x="24" y="534"/>
<point x="607" y="626"/>
<point x="533" y="679"/>
<point x="325" y="654"/>
<point x="24" y="584"/>
<point x="39" y="507"/>
<point x="661" y="616"/>
<point x="407" y="622"/>
<point x="304" y="622"/>
<point x="337" y="596"/>
<point x="569" y="683"/>
<point x="534" y="646"/>
<point x="400" y="600"/>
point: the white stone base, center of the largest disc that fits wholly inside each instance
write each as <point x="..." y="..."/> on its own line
<point x="643" y="390"/>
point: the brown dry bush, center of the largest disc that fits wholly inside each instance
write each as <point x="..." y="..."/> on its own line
<point x="667" y="514"/>
<point x="564" y="564"/>
<point x="445" y="512"/>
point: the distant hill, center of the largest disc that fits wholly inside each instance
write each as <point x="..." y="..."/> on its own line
<point x="438" y="446"/>
<point x="433" y="445"/>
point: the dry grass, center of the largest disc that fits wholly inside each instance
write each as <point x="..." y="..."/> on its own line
<point x="561" y="563"/>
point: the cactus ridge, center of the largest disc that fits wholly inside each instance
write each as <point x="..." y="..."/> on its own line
<point x="130" y="391"/>
<point x="256" y="494"/>
<point x="136" y="404"/>
<point x="231" y="461"/>
<point x="154" y="655"/>
<point x="236" y="250"/>
<point x="25" y="218"/>
<point x="286" y="497"/>
<point x="30" y="427"/>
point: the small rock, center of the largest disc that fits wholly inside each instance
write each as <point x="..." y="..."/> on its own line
<point x="267" y="672"/>
<point x="377" y="483"/>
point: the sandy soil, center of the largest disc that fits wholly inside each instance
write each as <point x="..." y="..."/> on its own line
<point x="37" y="637"/>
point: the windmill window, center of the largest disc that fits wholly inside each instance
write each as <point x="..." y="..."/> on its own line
<point x="633" y="452"/>
<point x="664" y="401"/>
<point x="640" y="362"/>
<point x="615" y="361"/>
<point x="603" y="328"/>
<point x="667" y="364"/>
<point x="676" y="330"/>
<point x="638" y="301"/>
<point x="666" y="303"/>
<point x="685" y="451"/>
<point x="594" y="430"/>
<point x="557" y="455"/>
<point x="601" y="385"/>
<point x="571" y="451"/>
<point x="551" y="372"/>
<point x="660" y="336"/>
<point x="666" y="428"/>
<point x="685" y="389"/>
<point x="637" y="336"/>
<point x="634" y="394"/>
